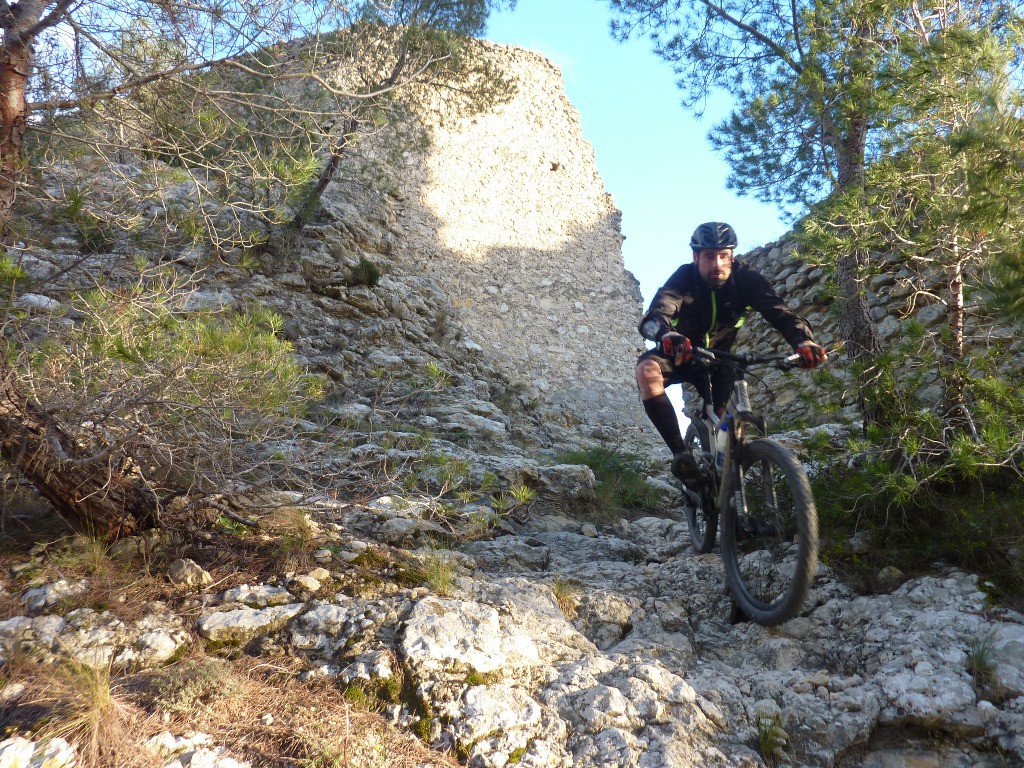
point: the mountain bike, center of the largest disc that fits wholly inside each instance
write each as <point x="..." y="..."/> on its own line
<point x="759" y="492"/>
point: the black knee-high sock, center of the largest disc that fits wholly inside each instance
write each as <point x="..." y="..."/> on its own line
<point x="662" y="414"/>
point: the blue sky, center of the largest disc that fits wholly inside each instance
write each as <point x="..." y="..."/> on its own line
<point x="651" y="153"/>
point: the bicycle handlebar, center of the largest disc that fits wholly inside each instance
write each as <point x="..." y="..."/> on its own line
<point x="783" y="362"/>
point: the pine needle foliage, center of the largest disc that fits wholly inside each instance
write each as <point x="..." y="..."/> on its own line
<point x="942" y="463"/>
<point x="192" y="395"/>
<point x="365" y="272"/>
<point x="249" y="111"/>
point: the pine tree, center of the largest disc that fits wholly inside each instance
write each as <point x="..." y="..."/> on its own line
<point x="814" y="93"/>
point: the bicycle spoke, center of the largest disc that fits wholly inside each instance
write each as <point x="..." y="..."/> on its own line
<point x="765" y="533"/>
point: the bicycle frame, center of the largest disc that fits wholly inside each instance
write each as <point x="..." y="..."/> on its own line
<point x="738" y="416"/>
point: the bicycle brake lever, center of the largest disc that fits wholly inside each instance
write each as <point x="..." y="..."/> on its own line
<point x="793" y="361"/>
<point x="704" y="354"/>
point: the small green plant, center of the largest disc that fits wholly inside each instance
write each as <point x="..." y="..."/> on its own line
<point x="85" y="552"/>
<point x="771" y="737"/>
<point x="365" y="273"/>
<point x="482" y="678"/>
<point x="371" y="558"/>
<point x="488" y="483"/>
<point x="439" y="572"/>
<point x="979" y="662"/>
<point x="423" y="727"/>
<point x="437" y="377"/>
<point x="484" y="517"/>
<point x="567" y="596"/>
<point x="502" y="504"/>
<point x="356" y="694"/>
<point x="10" y="273"/>
<point x="189" y="684"/>
<point x="74" y="203"/>
<point x="523" y="494"/>
<point x="94" y="236"/>
<point x="446" y="474"/>
<point x="228" y="525"/>
<point x="189" y="224"/>
<point x="621" y="483"/>
<point x="515" y="501"/>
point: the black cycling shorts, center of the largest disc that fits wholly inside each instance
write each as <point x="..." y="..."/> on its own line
<point x="712" y="385"/>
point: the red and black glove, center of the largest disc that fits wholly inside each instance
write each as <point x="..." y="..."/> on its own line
<point x="677" y="346"/>
<point x="811" y="354"/>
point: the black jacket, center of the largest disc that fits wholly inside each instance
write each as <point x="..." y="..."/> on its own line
<point x="712" y="317"/>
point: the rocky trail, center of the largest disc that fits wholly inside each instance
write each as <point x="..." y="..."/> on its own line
<point x="558" y="644"/>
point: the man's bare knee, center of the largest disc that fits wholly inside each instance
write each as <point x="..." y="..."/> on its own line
<point x="649" y="379"/>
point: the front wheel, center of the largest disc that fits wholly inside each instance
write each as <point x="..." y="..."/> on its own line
<point x="770" y="539"/>
<point x="702" y="514"/>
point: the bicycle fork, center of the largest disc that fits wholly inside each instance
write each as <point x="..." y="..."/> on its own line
<point x="738" y="405"/>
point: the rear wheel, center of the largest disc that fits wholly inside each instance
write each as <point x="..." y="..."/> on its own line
<point x="701" y="510"/>
<point x="770" y="543"/>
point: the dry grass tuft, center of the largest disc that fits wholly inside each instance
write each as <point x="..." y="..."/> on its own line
<point x="309" y="723"/>
<point x="126" y="588"/>
<point x="567" y="595"/>
<point x="259" y="711"/>
<point x="9" y="605"/>
<point x="86" y="707"/>
<point x="296" y="535"/>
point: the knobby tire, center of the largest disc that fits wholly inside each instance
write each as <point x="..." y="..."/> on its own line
<point x="770" y="554"/>
<point x="702" y="520"/>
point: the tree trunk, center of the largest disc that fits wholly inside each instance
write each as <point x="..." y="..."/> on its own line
<point x="15" y="65"/>
<point x="855" y="324"/>
<point x="953" y="346"/>
<point x="93" y="493"/>
<point x="327" y="173"/>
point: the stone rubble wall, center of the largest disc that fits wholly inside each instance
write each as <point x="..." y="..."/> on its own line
<point x="899" y="293"/>
<point x="505" y="211"/>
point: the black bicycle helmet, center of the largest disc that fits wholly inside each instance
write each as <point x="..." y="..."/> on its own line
<point x="714" y="235"/>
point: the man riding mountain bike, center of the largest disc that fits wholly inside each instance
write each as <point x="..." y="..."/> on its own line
<point x="705" y="304"/>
